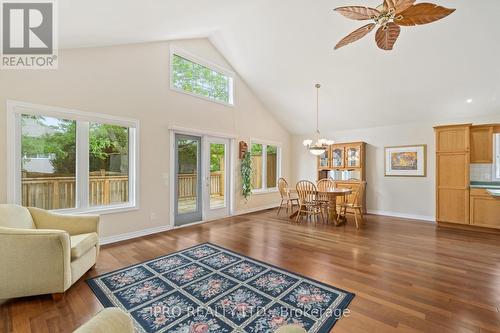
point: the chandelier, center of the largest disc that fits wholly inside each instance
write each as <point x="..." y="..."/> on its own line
<point x="319" y="146"/>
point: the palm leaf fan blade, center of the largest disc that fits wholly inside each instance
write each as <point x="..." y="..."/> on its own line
<point x="387" y="36"/>
<point x="358" y="13"/>
<point x="402" y="5"/>
<point x="388" y="4"/>
<point x="422" y="13"/>
<point x="355" y="35"/>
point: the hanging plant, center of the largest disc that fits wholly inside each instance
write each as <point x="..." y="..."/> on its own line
<point x="246" y="173"/>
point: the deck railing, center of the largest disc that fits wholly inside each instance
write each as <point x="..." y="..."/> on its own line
<point x="188" y="184"/>
<point x="60" y="192"/>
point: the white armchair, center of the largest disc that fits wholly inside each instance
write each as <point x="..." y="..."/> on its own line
<point x="43" y="252"/>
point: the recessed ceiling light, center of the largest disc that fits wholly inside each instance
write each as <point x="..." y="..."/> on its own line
<point x="469" y="100"/>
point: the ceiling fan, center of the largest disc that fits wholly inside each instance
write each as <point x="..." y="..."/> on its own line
<point x="390" y="16"/>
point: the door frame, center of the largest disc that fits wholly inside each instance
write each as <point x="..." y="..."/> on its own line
<point x="169" y="176"/>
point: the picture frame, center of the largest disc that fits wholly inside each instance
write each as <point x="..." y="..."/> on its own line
<point x="405" y="161"/>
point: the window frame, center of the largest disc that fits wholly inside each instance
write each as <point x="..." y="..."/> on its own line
<point x="205" y="63"/>
<point x="496" y="158"/>
<point x="83" y="119"/>
<point x="264" y="144"/>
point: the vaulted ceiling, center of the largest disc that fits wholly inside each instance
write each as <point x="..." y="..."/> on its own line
<point x="442" y="71"/>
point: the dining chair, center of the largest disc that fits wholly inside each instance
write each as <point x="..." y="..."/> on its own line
<point x="324" y="185"/>
<point x="355" y="204"/>
<point x="308" y="203"/>
<point x="286" y="198"/>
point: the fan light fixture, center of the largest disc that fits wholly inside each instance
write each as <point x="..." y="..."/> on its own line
<point x="390" y="17"/>
<point x="320" y="145"/>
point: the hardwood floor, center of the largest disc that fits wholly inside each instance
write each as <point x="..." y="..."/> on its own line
<point x="408" y="276"/>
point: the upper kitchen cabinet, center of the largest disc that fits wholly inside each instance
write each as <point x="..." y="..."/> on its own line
<point x="481" y="140"/>
<point x="453" y="139"/>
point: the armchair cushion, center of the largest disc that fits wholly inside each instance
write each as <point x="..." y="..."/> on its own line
<point x="13" y="216"/>
<point x="81" y="244"/>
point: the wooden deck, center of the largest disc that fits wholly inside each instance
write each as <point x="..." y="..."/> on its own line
<point x="408" y="276"/>
<point x="187" y="205"/>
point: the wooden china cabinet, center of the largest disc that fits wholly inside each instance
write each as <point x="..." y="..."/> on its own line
<point x="345" y="163"/>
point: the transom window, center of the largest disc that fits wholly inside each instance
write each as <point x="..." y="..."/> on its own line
<point x="71" y="161"/>
<point x="266" y="164"/>
<point x="199" y="78"/>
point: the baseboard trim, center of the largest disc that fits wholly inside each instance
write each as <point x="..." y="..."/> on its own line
<point x="255" y="209"/>
<point x="134" y="234"/>
<point x="152" y="231"/>
<point x="422" y="218"/>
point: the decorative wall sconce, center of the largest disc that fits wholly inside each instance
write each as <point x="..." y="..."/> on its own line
<point x="243" y="149"/>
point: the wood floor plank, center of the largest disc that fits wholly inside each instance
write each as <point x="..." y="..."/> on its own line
<point x="408" y="276"/>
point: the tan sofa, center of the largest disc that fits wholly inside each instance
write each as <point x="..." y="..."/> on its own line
<point x="43" y="252"/>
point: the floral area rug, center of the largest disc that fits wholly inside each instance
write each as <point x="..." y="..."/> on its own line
<point x="209" y="289"/>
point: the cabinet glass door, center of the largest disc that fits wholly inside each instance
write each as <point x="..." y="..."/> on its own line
<point x="324" y="159"/>
<point x="338" y="157"/>
<point x="353" y="157"/>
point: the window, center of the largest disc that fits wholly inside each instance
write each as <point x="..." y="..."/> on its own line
<point x="265" y="166"/>
<point x="201" y="79"/>
<point x="496" y="171"/>
<point x="257" y="163"/>
<point x="108" y="164"/>
<point x="48" y="182"/>
<point x="67" y="160"/>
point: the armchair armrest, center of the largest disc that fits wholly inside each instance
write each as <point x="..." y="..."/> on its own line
<point x="34" y="262"/>
<point x="72" y="224"/>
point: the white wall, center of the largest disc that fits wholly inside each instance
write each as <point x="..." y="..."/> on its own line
<point x="412" y="197"/>
<point x="133" y="81"/>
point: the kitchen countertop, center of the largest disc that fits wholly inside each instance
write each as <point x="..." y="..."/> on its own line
<point x="495" y="193"/>
<point x="487" y="185"/>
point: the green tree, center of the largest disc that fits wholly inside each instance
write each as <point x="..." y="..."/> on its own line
<point x="200" y="80"/>
<point x="217" y="152"/>
<point x="104" y="141"/>
<point x="59" y="141"/>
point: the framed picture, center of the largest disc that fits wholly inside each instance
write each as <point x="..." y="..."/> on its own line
<point x="406" y="161"/>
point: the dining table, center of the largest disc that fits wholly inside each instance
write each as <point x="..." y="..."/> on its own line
<point x="332" y="194"/>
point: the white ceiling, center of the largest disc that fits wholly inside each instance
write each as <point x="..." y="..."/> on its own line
<point x="281" y="48"/>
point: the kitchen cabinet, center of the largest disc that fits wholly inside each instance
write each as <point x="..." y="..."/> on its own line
<point x="484" y="209"/>
<point x="457" y="147"/>
<point x="452" y="173"/>
<point x="481" y="139"/>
